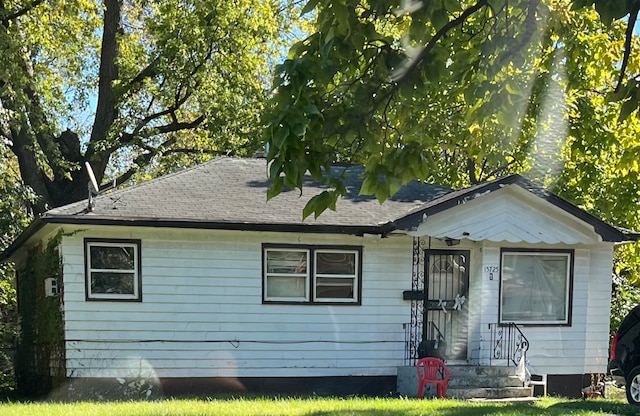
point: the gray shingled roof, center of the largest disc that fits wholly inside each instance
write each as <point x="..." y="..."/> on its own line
<point x="233" y="191"/>
<point x="230" y="193"/>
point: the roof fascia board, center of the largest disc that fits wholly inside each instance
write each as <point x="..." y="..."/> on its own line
<point x="161" y="223"/>
<point x="38" y="223"/>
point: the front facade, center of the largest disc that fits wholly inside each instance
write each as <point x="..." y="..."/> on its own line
<point x="196" y="308"/>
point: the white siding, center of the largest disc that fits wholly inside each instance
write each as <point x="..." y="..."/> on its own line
<point x="202" y="313"/>
<point x="577" y="349"/>
<point x="510" y="214"/>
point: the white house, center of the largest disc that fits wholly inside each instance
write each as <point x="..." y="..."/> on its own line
<point x="195" y="282"/>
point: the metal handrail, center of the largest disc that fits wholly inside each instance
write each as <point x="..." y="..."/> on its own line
<point x="508" y="343"/>
<point x="412" y="341"/>
<point x="434" y="328"/>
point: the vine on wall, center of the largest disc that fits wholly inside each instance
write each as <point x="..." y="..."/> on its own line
<point x="8" y="329"/>
<point x="40" y="358"/>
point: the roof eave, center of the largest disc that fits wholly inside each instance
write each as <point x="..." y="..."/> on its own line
<point x="608" y="232"/>
<point x="37" y="224"/>
<point x="411" y="221"/>
<point x="223" y="225"/>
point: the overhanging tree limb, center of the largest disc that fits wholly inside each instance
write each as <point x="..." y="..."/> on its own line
<point x="442" y="32"/>
<point x="14" y="15"/>
<point x="633" y="17"/>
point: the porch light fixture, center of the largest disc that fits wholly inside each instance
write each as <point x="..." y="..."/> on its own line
<point x="451" y="241"/>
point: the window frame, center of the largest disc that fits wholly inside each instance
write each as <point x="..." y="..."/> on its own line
<point x="569" y="254"/>
<point x="312" y="275"/>
<point x="137" y="270"/>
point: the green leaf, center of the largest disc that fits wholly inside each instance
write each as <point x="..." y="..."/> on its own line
<point x="578" y="4"/>
<point x="318" y="204"/>
<point x="453" y="5"/>
<point x="612" y="10"/>
<point x="299" y="128"/>
<point x="311" y="109"/>
<point x="275" y="169"/>
<point x="311" y="4"/>
<point x="369" y="185"/>
<point x="281" y="135"/>
<point x="627" y="108"/>
<point x="276" y="187"/>
<point x="440" y="18"/>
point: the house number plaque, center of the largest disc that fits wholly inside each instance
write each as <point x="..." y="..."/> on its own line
<point x="491" y="272"/>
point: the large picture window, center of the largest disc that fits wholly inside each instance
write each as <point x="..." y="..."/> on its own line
<point x="535" y="287"/>
<point x="113" y="270"/>
<point x="310" y="274"/>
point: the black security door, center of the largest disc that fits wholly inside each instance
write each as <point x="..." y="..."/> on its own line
<point x="447" y="292"/>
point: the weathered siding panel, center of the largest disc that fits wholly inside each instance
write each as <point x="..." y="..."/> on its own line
<point x="509" y="214"/>
<point x="598" y="309"/>
<point x="202" y="313"/>
<point x="576" y="349"/>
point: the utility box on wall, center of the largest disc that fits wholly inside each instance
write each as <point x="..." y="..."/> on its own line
<point x="51" y="287"/>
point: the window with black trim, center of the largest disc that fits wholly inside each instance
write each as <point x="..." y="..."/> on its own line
<point x="536" y="287"/>
<point x="311" y="274"/>
<point x="113" y="270"/>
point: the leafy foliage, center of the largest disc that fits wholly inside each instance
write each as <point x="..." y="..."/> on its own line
<point x="13" y="218"/>
<point x="131" y="85"/>
<point x="455" y="92"/>
<point x="458" y="92"/>
<point x="40" y="356"/>
<point x="625" y="298"/>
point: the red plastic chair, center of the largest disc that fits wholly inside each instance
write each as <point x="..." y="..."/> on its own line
<point x="432" y="371"/>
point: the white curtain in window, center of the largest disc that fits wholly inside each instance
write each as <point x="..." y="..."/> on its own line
<point x="534" y="287"/>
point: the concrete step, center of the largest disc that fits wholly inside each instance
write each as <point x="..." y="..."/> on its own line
<point x="468" y="381"/>
<point x="462" y="371"/>
<point x="489" y="393"/>
<point x="484" y="381"/>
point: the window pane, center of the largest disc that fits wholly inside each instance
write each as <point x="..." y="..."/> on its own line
<point x="294" y="262"/>
<point x="116" y="283"/>
<point x="114" y="258"/>
<point x="534" y="287"/>
<point x="334" y="288"/>
<point x="343" y="263"/>
<point x="286" y="287"/>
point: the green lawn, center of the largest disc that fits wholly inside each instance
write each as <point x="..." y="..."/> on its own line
<point x="319" y="407"/>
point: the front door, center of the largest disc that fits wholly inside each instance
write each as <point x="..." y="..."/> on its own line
<point x="447" y="292"/>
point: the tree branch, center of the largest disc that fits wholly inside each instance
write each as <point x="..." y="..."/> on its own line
<point x="633" y="16"/>
<point x="26" y="9"/>
<point x="176" y="126"/>
<point x="434" y="40"/>
<point x="106" y="111"/>
<point x="147" y="72"/>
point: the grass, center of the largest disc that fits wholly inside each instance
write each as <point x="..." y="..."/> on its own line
<point x="320" y="407"/>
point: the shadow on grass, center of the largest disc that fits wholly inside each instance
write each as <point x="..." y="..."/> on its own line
<point x="512" y="409"/>
<point x="456" y="411"/>
<point x="595" y="406"/>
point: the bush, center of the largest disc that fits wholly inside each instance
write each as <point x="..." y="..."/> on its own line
<point x="625" y="297"/>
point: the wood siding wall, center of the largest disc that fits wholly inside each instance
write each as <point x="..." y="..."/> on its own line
<point x="202" y="316"/>
<point x="581" y="348"/>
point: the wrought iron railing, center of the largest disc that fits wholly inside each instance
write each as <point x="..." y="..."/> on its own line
<point x="412" y="342"/>
<point x="434" y="333"/>
<point x="508" y="344"/>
